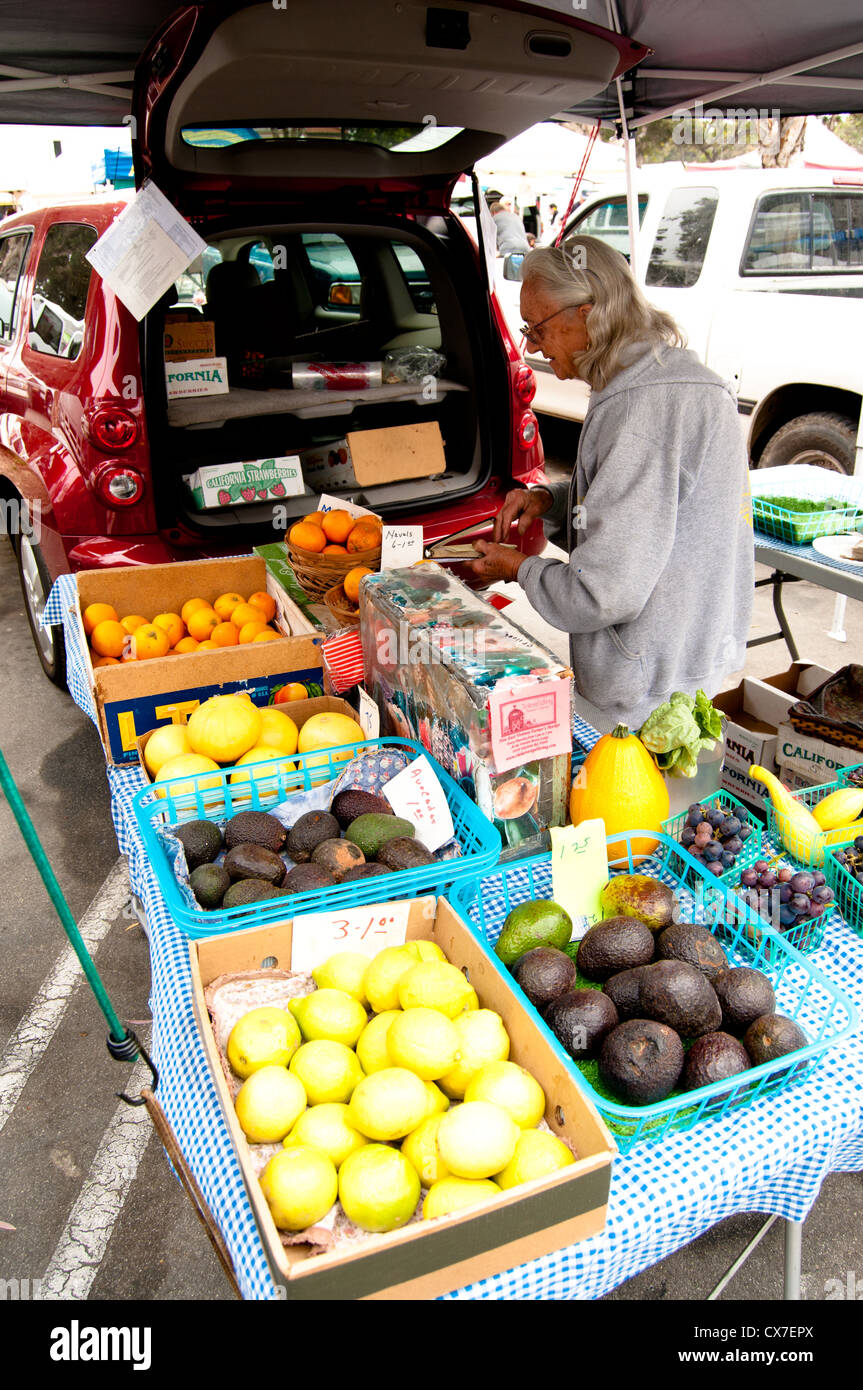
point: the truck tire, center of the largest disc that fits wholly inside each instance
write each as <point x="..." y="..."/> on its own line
<point x="35" y="582"/>
<point x="826" y="440"/>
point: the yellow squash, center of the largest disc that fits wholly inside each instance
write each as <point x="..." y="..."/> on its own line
<point x="620" y="784"/>
<point x="798" y="829"/>
<point x="840" y="809"/>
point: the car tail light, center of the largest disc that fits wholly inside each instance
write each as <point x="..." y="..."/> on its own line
<point x="525" y="384"/>
<point x="112" y="428"/>
<point x="117" y="485"/>
<point x="528" y="430"/>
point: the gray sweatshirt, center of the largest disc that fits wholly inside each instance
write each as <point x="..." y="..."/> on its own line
<point x="657" y="594"/>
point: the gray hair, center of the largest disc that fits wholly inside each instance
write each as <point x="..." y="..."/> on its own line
<point x="583" y="270"/>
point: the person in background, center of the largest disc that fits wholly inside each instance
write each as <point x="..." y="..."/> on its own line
<point x="510" y="231"/>
<point x="552" y="221"/>
<point x="658" y="504"/>
<point x="530" y="218"/>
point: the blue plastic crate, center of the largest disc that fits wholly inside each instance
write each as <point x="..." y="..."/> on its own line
<point x="212" y="796"/>
<point x="802" y="992"/>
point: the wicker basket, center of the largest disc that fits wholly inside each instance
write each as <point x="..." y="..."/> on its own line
<point x="317" y="573"/>
<point x="341" y="607"/>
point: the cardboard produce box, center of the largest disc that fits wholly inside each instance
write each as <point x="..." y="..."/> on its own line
<point x="298" y="710"/>
<point x="138" y="696"/>
<point x="804" y="761"/>
<point x="367" y="458"/>
<point x="188" y="339"/>
<point x="428" y="1258"/>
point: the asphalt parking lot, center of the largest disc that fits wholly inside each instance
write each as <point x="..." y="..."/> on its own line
<point x="88" y="1203"/>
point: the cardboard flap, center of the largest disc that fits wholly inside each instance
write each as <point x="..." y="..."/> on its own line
<point x="392" y="455"/>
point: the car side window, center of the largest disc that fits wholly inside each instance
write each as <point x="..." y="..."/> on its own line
<point x="805" y="233"/>
<point x="60" y="290"/>
<point x="416" y="278"/>
<point x="608" y="222"/>
<point x="13" y="251"/>
<point x="837" y="241"/>
<point x="680" y="244"/>
<point x="335" y="277"/>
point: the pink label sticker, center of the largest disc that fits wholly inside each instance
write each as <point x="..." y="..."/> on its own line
<point x="529" y="721"/>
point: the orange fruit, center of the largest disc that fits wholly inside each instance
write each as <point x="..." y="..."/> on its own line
<point x="249" y="631"/>
<point x="109" y="638"/>
<point x="186" y="644"/>
<point x="191" y="606"/>
<point x="317" y="518"/>
<point x="96" y="613"/>
<point x="206" y="646"/>
<point x="267" y="635"/>
<point x="173" y="624"/>
<point x="265" y="602"/>
<point x="351" y="582"/>
<point x="225" y="605"/>
<point x="202" y="622"/>
<point x="150" y="641"/>
<point x="337" y="525"/>
<point x="106" y="661"/>
<point x="364" y="537"/>
<point x="133" y="621"/>
<point x="225" y="635"/>
<point x="306" y="535"/>
<point x="334" y="550"/>
<point x="245" y="613"/>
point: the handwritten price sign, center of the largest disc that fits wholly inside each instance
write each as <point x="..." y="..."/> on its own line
<point x="417" y="796"/>
<point x="318" y="935"/>
<point x="401" y="546"/>
<point x="579" y="871"/>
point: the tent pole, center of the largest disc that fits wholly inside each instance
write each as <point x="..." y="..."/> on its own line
<point x="629" y="154"/>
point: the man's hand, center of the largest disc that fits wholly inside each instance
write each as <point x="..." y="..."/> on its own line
<point x="496" y="561"/>
<point x="523" y="505"/>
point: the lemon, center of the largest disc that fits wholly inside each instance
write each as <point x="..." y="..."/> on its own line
<point x="328" y="1070"/>
<point x="437" y="1102"/>
<point x="427" y="950"/>
<point x="326" y="1127"/>
<point x="510" y="1087"/>
<point x="278" y="730"/>
<point x="269" y="1103"/>
<point x="389" y="1104"/>
<point x="300" y="1185"/>
<point x="378" y="1188"/>
<point x="383" y="975"/>
<point x="477" y="1139"/>
<point x="346" y="971"/>
<point x="454" y="1194"/>
<point x="482" y="1038"/>
<point x="262" y="1037"/>
<point x="536" y="1155"/>
<point x="329" y="1014"/>
<point x="170" y="741"/>
<point x="189" y="766"/>
<point x="372" y="1044"/>
<point x="434" y="984"/>
<point x="420" y="1148"/>
<point x="269" y="763"/>
<point x="424" y="1041"/>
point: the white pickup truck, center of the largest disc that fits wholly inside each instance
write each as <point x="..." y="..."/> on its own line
<point x="763" y="270"/>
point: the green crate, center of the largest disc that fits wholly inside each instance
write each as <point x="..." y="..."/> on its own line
<point x="751" y="848"/>
<point x="807" y="935"/>
<point x="801" y="528"/>
<point x="849" y="893"/>
<point x="808" y="856"/>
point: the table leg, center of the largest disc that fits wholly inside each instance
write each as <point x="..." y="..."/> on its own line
<point x="793" y="1254"/>
<point x="777" y="579"/>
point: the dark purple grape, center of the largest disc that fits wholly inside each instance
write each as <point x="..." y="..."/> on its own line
<point x="818" y="879"/>
<point x="858" y="843"/>
<point x="704" y="828"/>
<point x="744" y="832"/>
<point x="733" y="844"/>
<point x="761" y="865"/>
<point x="695" y="817"/>
<point x="715" y="817"/>
<point x="714" y="866"/>
<point x="815" y="910"/>
<point x="687" y="836"/>
<point x="729" y="827"/>
<point x="785" y="893"/>
<point x="712" y="850"/>
<point x="701" y="840"/>
<point x="802" y="883"/>
<point x="742" y="814"/>
<point x="822" y="894"/>
<point x="800" y="902"/>
<point x="749" y="878"/>
<point x="728" y="859"/>
<point x="767" y="878"/>
<point x="784" y="873"/>
<point x="787" y="916"/>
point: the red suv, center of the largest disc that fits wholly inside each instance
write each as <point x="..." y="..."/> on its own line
<point x="316" y="161"/>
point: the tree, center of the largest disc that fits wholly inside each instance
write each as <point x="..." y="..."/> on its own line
<point x="779" y="141"/>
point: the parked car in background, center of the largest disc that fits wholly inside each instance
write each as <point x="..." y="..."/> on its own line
<point x="763" y="269"/>
<point x="329" y="238"/>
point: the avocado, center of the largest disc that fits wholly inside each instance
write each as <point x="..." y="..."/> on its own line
<point x="201" y="841"/>
<point x="697" y="945"/>
<point x="308" y="832"/>
<point x="619" y="943"/>
<point x="209" y="883"/>
<point x="402" y="853"/>
<point x="352" y="803"/>
<point x="543" y="974"/>
<point x="250" y="890"/>
<point x="677" y="994"/>
<point x="253" y="861"/>
<point x="580" y="1020"/>
<point x="307" y="878"/>
<point x="713" y="1057"/>
<point x="372" y="830"/>
<point x="337" y="856"/>
<point x="772" y="1036"/>
<point x="744" y="994"/>
<point x="623" y="990"/>
<point x="255" y="828"/>
<point x="365" y="871"/>
<point x="637" y="895"/>
<point x="641" y="1060"/>
<point x="534" y="923"/>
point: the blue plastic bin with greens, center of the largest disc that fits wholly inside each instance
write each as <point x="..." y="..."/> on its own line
<point x="677" y="731"/>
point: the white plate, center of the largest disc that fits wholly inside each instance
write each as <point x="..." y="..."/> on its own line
<point x="839" y="547"/>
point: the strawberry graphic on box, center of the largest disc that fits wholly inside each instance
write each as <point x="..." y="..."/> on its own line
<point x="247" y="494"/>
<point x="225" y="498"/>
<point x="278" y="489"/>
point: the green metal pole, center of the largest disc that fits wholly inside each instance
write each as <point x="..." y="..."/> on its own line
<point x="118" y="1032"/>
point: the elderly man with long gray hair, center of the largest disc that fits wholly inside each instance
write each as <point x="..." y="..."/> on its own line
<point x="657" y="591"/>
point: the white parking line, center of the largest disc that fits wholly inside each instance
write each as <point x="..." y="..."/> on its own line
<point x="38" y="1026"/>
<point x="80" y="1249"/>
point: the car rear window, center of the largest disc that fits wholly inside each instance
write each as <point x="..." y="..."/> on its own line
<point x="60" y="290"/>
<point x="806" y="232"/>
<point x="13" y="249"/>
<point x="608" y="221"/>
<point x="680" y="244"/>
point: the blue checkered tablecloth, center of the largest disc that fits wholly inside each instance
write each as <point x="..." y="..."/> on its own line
<point x="769" y="1157"/>
<point x="772" y="551"/>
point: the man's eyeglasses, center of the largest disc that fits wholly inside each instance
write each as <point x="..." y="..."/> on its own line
<point x="535" y="334"/>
